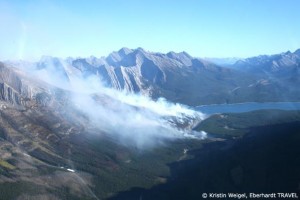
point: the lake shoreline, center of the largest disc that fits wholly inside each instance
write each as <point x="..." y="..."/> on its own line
<point x="247" y="107"/>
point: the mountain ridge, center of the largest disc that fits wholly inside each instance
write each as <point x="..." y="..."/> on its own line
<point x="270" y="63"/>
<point x="182" y="78"/>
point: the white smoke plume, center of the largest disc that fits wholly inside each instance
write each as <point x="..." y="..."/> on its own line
<point x="135" y="119"/>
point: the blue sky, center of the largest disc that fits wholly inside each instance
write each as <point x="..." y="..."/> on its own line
<point x="210" y="28"/>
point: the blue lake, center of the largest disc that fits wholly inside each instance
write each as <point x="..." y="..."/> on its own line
<point x="246" y="107"/>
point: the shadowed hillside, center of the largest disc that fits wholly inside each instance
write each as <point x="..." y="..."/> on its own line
<point x="265" y="160"/>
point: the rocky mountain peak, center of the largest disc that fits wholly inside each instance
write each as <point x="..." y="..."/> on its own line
<point x="140" y="49"/>
<point x="182" y="57"/>
<point x="124" y="51"/>
<point x="297" y="52"/>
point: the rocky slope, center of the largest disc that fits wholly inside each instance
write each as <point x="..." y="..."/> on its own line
<point x="11" y="86"/>
<point x="33" y="131"/>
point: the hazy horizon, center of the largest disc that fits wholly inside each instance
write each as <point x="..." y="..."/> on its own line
<point x="212" y="58"/>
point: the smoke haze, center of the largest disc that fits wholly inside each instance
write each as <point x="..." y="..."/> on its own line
<point x="135" y="119"/>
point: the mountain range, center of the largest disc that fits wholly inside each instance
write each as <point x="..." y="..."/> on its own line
<point x="179" y="77"/>
<point x="83" y="128"/>
<point x="278" y="63"/>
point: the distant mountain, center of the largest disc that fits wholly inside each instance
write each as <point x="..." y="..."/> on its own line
<point x="225" y="62"/>
<point x="274" y="64"/>
<point x="279" y="72"/>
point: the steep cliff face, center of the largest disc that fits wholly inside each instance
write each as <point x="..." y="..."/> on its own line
<point x="18" y="90"/>
<point x="10" y="86"/>
<point x="125" y="69"/>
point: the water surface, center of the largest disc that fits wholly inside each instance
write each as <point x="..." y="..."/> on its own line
<point x="247" y="107"/>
